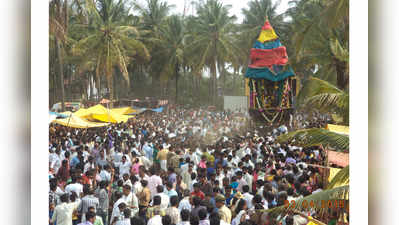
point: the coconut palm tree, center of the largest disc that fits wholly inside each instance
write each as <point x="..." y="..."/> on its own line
<point x="254" y="19"/>
<point x="321" y="38"/>
<point x="213" y="39"/>
<point x="171" y="45"/>
<point x="58" y="23"/>
<point x="111" y="43"/>
<point x="153" y="15"/>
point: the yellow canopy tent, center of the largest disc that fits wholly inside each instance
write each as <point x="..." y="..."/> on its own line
<point x="338" y="129"/>
<point x="99" y="112"/>
<point x="82" y="113"/>
<point x="111" y="117"/>
<point x="124" y="110"/>
<point x="77" y="122"/>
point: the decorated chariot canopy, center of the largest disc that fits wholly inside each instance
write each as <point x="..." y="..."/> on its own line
<point x="268" y="57"/>
<point x="269" y="77"/>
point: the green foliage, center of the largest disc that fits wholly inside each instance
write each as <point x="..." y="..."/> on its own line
<point x="110" y="43"/>
<point x="302" y="204"/>
<point x="320" y="94"/>
<point x="316" y="137"/>
<point x="342" y="177"/>
<point x="150" y="48"/>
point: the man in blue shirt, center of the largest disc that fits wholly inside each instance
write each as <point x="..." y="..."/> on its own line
<point x="75" y="160"/>
<point x="148" y="151"/>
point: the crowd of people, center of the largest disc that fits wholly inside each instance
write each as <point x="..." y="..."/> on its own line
<point x="181" y="167"/>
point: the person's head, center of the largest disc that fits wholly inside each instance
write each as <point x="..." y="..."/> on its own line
<point x="220" y="200"/>
<point x="64" y="163"/>
<point x="73" y="196"/>
<point x="186" y="192"/>
<point x="196" y="187"/>
<point x="126" y="213"/>
<point x="196" y="201"/>
<point x="239" y="175"/>
<point x="90" y="216"/>
<point x="159" y="188"/>
<point x="126" y="189"/>
<point x="269" y="196"/>
<point x="228" y="191"/>
<point x="166" y="220"/>
<point x="242" y="205"/>
<point x="91" y="209"/>
<point x="53" y="186"/>
<point x="125" y="176"/>
<point x="123" y="159"/>
<point x="137" y="221"/>
<point x="193" y="176"/>
<point x="203" y="179"/>
<point x="290" y="191"/>
<point x="289" y="220"/>
<point x="142" y="171"/>
<point x="144" y="183"/>
<point x="245" y="188"/>
<point x="174" y="201"/>
<point x="64" y="198"/>
<point x="122" y="206"/>
<point x="214" y="218"/>
<point x="169" y="185"/>
<point x="185" y="215"/>
<point x="157" y="200"/>
<point x="194" y="220"/>
<point x="202" y="214"/>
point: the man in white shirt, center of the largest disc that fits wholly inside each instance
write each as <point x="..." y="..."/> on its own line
<point x="241" y="181"/>
<point x="131" y="200"/>
<point x="75" y="187"/>
<point x="156" y="219"/>
<point x="153" y="182"/>
<point x="89" y="165"/>
<point x="184" y="204"/>
<point x="55" y="161"/>
<point x="185" y="217"/>
<point x="248" y="177"/>
<point x="164" y="197"/>
<point x="117" y="156"/>
<point x="126" y="218"/>
<point x="105" y="174"/>
<point x="63" y="212"/>
<point x="247" y="196"/>
<point x="124" y="167"/>
<point x="119" y="207"/>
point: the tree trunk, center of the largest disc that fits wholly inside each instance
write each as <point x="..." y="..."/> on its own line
<point x="177" y="79"/>
<point x="61" y="67"/>
<point x="340" y="68"/>
<point x="193" y="85"/>
<point x="111" y="89"/>
<point x="213" y="83"/>
<point x="234" y="81"/>
<point x="224" y="79"/>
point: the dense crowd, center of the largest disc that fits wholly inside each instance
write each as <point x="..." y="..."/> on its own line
<point x="180" y="167"/>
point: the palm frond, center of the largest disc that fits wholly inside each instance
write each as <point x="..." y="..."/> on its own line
<point x="317" y="136"/>
<point x="342" y="177"/>
<point x="329" y="102"/>
<point x="321" y="201"/>
<point x="315" y="86"/>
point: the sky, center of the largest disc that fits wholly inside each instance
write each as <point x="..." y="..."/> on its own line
<point x="237" y="5"/>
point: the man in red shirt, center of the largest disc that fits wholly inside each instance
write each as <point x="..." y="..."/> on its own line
<point x="197" y="191"/>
